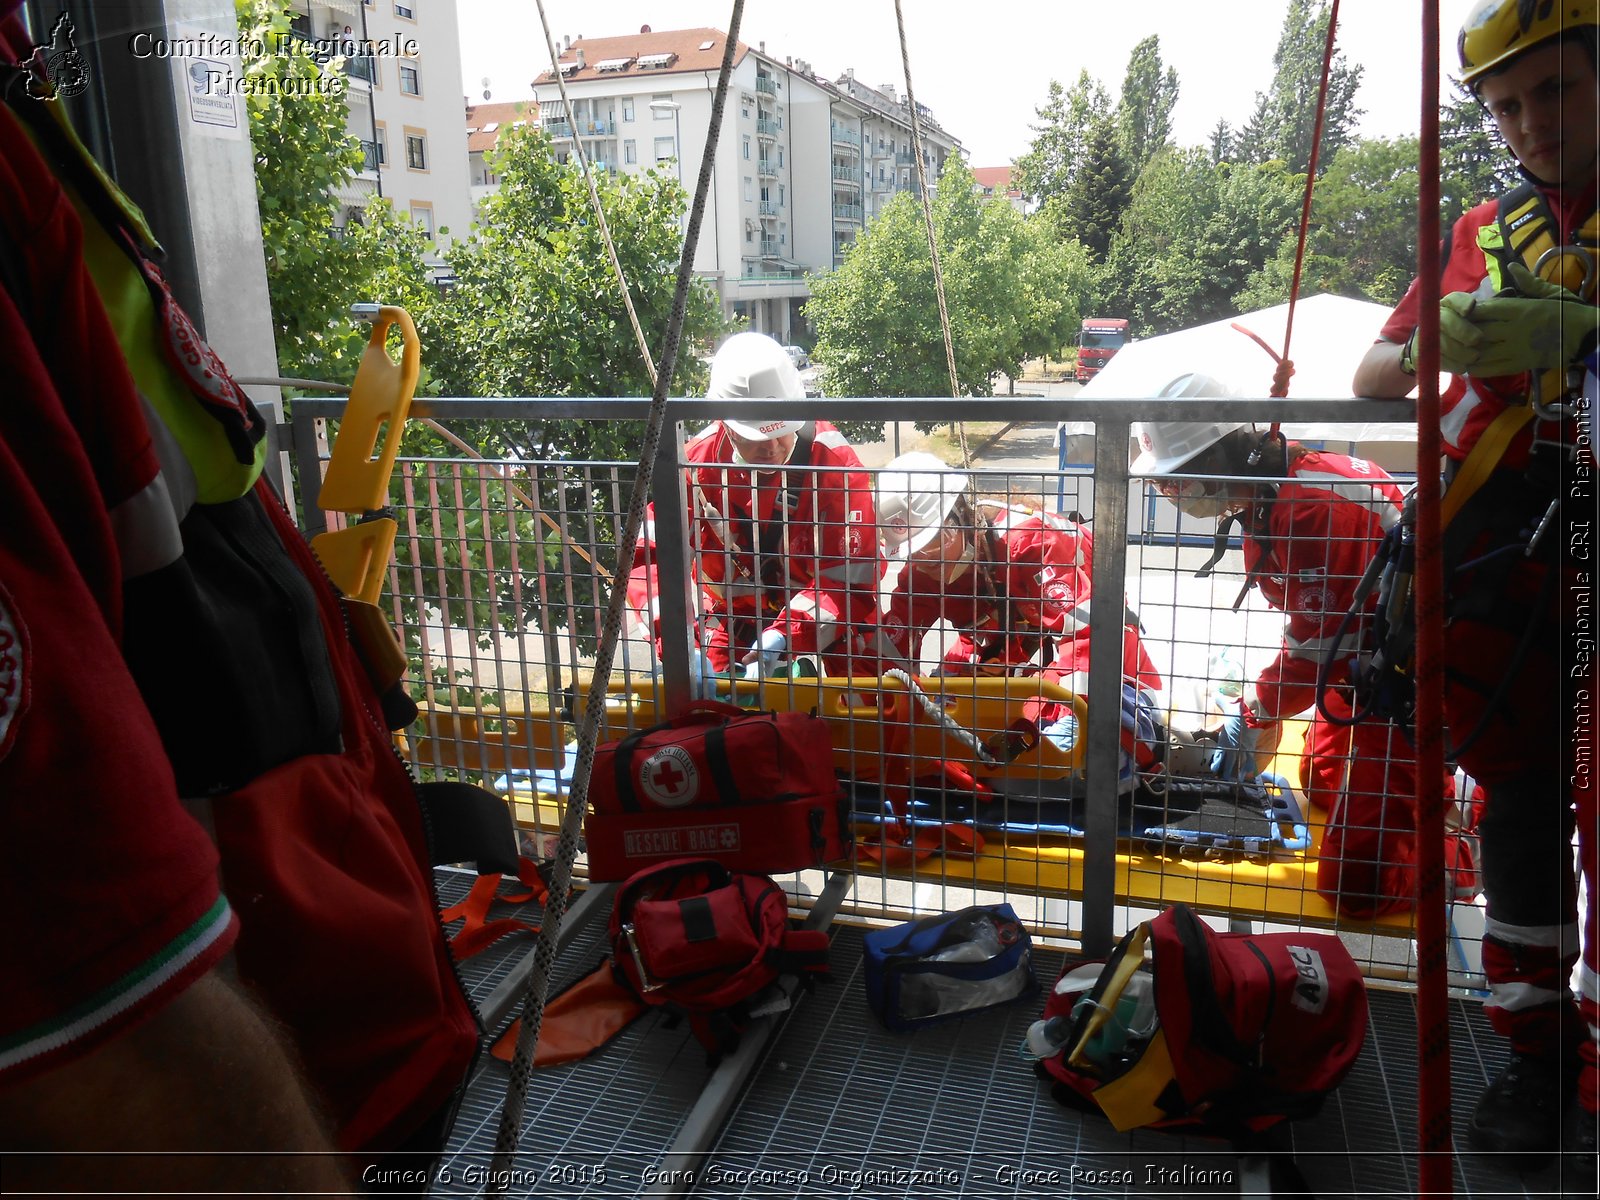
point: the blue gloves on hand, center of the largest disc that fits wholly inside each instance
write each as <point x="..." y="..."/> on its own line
<point x="766" y="656"/>
<point x="1242" y="749"/>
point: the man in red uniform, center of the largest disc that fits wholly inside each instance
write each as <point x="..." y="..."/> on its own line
<point x="177" y="691"/>
<point x="1014" y="583"/>
<point x="1519" y="680"/>
<point x="1307" y="543"/>
<point x="781" y="528"/>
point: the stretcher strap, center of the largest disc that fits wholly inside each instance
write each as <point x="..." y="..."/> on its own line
<point x="477" y="932"/>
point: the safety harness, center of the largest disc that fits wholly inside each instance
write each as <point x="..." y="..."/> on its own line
<point x="1478" y="499"/>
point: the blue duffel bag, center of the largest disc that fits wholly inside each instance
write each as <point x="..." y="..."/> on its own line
<point x="947" y="965"/>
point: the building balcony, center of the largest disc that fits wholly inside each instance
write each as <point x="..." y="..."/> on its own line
<point x="556" y="129"/>
<point x="769" y="247"/>
<point x="845" y="136"/>
<point x="771" y="208"/>
<point x="766" y="127"/>
<point x="597" y="128"/>
<point x="767" y="169"/>
<point x="846" y="175"/>
<point x="847" y="212"/>
<point x="766" y="85"/>
<point x="903" y="158"/>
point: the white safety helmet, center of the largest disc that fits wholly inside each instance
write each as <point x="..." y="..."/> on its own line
<point x="752" y="365"/>
<point x="1165" y="446"/>
<point x="916" y="494"/>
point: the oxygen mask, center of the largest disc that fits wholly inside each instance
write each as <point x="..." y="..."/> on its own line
<point x="1203" y="499"/>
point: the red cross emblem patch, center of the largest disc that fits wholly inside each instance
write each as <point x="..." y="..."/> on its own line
<point x="669" y="777"/>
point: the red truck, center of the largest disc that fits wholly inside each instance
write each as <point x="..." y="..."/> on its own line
<point x="1100" y="338"/>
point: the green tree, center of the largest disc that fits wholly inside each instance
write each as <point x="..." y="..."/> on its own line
<point x="535" y="312"/>
<point x="1010" y="290"/>
<point x="1194" y="234"/>
<point x="1099" y="194"/>
<point x="1364" y="221"/>
<point x="303" y="155"/>
<point x="1285" y="117"/>
<point x="1061" y="136"/>
<point x="1221" y="141"/>
<point x="1144" y="111"/>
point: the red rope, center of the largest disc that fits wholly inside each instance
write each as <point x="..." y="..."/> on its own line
<point x="1433" y="1018"/>
<point x="1285" y="368"/>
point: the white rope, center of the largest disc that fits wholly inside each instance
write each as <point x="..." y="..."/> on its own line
<point x="936" y="711"/>
<point x="594" y="198"/>
<point x="589" y="726"/>
<point x="933" y="245"/>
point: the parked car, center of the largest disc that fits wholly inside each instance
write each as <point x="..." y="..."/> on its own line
<point x="800" y="358"/>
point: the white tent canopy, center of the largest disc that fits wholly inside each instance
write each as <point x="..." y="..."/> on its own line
<point x="1331" y="334"/>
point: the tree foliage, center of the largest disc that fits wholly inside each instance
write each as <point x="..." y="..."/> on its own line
<point x="1060" y="138"/>
<point x="1099" y="194"/>
<point x="1012" y="290"/>
<point x="534" y="311"/>
<point x="303" y="155"/>
<point x="1194" y="234"/>
<point x="1144" y="111"/>
<point x="1284" y="122"/>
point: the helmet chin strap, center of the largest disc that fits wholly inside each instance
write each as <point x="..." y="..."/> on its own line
<point x="962" y="565"/>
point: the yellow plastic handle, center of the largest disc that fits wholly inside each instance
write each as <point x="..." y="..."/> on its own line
<point x="357" y="479"/>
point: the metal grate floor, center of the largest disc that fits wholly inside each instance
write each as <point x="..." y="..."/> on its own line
<point x="838" y="1106"/>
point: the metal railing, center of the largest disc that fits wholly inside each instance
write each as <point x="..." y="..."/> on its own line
<point x="500" y="578"/>
<point x="767" y="169"/>
<point x="846" y="174"/>
<point x="770" y="208"/>
<point x="766" y="127"/>
<point x="847" y="212"/>
<point x="766" y="85"/>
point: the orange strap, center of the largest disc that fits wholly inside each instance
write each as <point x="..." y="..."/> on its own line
<point x="948" y="841"/>
<point x="577" y="1022"/>
<point x="477" y="932"/>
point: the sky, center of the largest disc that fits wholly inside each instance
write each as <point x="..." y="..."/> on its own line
<point x="985" y="68"/>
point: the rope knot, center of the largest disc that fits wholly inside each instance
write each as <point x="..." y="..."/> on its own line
<point x="1280" y="378"/>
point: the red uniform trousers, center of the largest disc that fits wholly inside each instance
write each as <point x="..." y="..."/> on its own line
<point x="1519" y="699"/>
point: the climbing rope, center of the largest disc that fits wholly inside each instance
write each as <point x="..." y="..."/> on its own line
<point x="594" y="198"/>
<point x="933" y="244"/>
<point x="537" y="989"/>
<point x="1284" y="365"/>
<point x="936" y="713"/>
<point x="1433" y="1017"/>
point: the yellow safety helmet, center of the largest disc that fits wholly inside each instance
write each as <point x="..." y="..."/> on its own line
<point x="1499" y="30"/>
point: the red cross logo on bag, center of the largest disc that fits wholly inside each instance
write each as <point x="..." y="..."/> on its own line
<point x="669" y="777"/>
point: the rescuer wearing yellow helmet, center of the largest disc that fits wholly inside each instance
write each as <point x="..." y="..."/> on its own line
<point x="1517" y="331"/>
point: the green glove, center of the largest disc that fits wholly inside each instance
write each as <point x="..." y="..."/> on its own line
<point x="1544" y="326"/>
<point x="1459" y="339"/>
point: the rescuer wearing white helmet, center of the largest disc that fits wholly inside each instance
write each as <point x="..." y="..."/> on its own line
<point x="1310" y="527"/>
<point x="1012" y="580"/>
<point x="780" y="523"/>
<point x="1517" y="324"/>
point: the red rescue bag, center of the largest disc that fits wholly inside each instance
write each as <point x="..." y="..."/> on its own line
<point x="691" y="936"/>
<point x="1245" y="1031"/>
<point x="754" y="790"/>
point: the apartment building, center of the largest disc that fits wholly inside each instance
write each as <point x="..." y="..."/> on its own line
<point x="486" y="123"/>
<point x="405" y="102"/>
<point x="995" y="183"/>
<point x="790" y="186"/>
